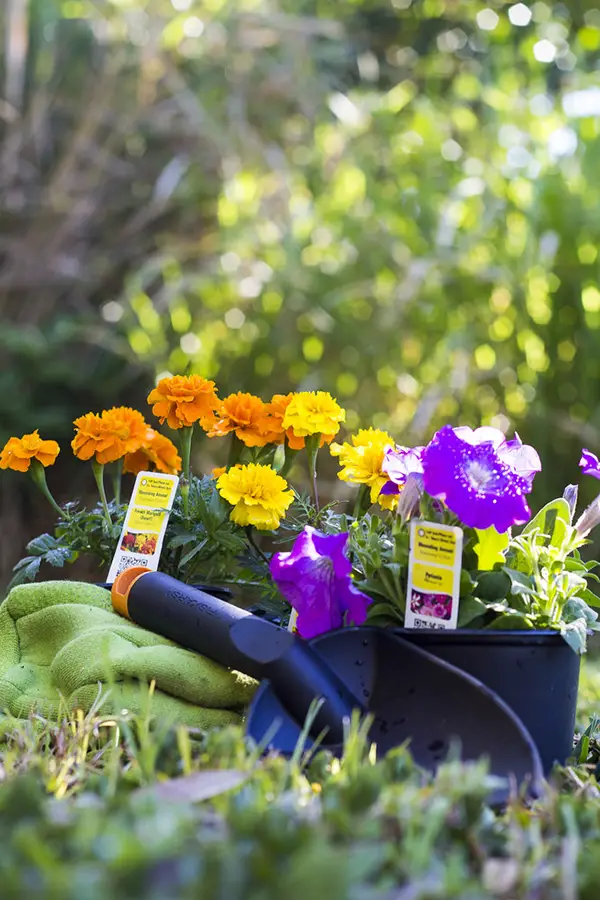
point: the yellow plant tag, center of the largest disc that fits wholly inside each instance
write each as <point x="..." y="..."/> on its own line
<point x="145" y="523"/>
<point x="434" y="566"/>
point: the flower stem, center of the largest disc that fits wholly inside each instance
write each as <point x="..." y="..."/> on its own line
<point x="186" y="450"/>
<point x="235" y="449"/>
<point x="362" y="502"/>
<point x="39" y="477"/>
<point x="186" y="453"/>
<point x="290" y="458"/>
<point x="98" y="470"/>
<point x="312" y="448"/>
<point x="116" y="478"/>
<point x="254" y="545"/>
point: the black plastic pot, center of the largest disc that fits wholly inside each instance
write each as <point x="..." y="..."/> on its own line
<point x="535" y="672"/>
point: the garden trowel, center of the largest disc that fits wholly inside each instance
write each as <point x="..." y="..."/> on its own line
<point x="410" y="695"/>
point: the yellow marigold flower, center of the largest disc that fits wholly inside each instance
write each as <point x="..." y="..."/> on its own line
<point x="18" y="453"/>
<point x="159" y="452"/>
<point x="313" y="412"/>
<point x="184" y="400"/>
<point x="362" y="460"/>
<point x="248" y="417"/>
<point x="259" y="496"/>
<point x="277" y="409"/>
<point x="109" y="436"/>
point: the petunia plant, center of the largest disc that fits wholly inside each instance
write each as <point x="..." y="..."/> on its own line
<point x="346" y="563"/>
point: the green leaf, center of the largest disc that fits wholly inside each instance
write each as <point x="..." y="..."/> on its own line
<point x="590" y="597"/>
<point x="59" y="557"/>
<point x="180" y="540"/>
<point x="26" y="573"/>
<point x="493" y="586"/>
<point x="192" y="553"/>
<point x="519" y="582"/>
<point x="511" y="621"/>
<point x="553" y="520"/>
<point x="490" y="548"/>
<point x="467" y="583"/>
<point x="40" y="545"/>
<point x="577" y="608"/>
<point x="470" y="608"/>
<point x="575" y="634"/>
<point x="384" y="611"/>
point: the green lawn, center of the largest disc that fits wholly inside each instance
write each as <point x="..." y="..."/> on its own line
<point x="88" y="809"/>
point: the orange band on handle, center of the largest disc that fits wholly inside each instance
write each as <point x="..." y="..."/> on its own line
<point x="121" y="587"/>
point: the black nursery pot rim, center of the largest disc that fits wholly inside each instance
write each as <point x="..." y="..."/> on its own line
<point x="541" y="637"/>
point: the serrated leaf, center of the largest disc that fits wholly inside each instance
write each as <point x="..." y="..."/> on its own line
<point x="180" y="540"/>
<point x="58" y="557"/>
<point x="26" y="573"/>
<point x="23" y="562"/>
<point x="192" y="553"/>
<point x="490" y="548"/>
<point x="42" y="544"/>
<point x="230" y="541"/>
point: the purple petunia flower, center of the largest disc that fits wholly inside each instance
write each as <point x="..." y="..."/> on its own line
<point x="315" y="578"/>
<point x="398" y="463"/>
<point x="589" y="463"/>
<point x="522" y="458"/>
<point x="476" y="481"/>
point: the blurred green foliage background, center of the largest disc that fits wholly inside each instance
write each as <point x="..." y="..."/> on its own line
<point x="396" y="201"/>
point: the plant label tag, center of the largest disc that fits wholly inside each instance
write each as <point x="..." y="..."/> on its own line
<point x="145" y="523"/>
<point x="434" y="567"/>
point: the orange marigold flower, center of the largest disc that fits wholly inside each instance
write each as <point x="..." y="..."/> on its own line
<point x="159" y="452"/>
<point x="129" y="426"/>
<point x="248" y="416"/>
<point x="110" y="436"/>
<point x="277" y="409"/>
<point x="18" y="453"/>
<point x="184" y="400"/>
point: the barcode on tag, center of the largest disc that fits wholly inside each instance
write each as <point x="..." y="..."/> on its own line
<point x="127" y="562"/>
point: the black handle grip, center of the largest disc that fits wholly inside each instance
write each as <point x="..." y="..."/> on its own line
<point x="189" y="617"/>
<point x="239" y="640"/>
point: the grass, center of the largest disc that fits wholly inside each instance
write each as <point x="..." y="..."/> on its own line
<point x="95" y="808"/>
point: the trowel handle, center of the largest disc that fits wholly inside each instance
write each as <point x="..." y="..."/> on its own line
<point x="238" y="640"/>
<point x="183" y="614"/>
